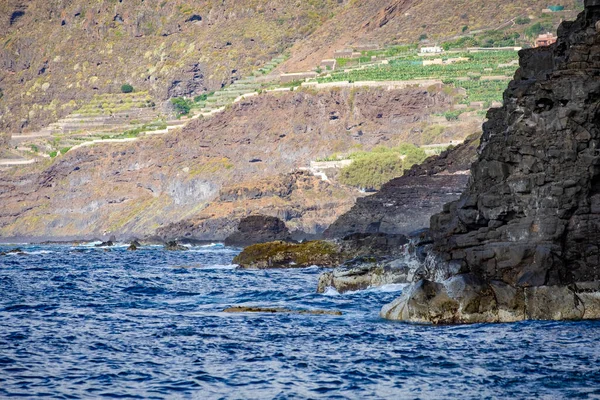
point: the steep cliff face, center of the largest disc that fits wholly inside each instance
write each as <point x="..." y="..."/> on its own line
<point x="136" y="188"/>
<point x="523" y="241"/>
<point x="306" y="204"/>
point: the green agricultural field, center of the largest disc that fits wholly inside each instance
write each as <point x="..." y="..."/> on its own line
<point x="465" y="74"/>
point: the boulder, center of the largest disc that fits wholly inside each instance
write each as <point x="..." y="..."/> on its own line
<point x="290" y="255"/>
<point x="109" y="243"/>
<point x="132" y="247"/>
<point x="259" y="229"/>
<point x="364" y="273"/>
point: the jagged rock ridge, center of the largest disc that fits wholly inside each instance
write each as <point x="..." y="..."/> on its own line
<point x="530" y="218"/>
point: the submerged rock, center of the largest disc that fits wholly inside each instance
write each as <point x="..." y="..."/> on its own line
<point x="526" y="233"/>
<point x="259" y="229"/>
<point x="279" y="311"/>
<point x="13" y="251"/>
<point x="174" y="246"/>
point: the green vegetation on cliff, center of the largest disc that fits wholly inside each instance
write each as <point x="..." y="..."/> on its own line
<point x="370" y="170"/>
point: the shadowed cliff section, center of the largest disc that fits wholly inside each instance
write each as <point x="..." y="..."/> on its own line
<point x="523" y="241"/>
<point x="407" y="203"/>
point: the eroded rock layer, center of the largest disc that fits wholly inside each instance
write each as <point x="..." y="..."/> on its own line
<point x="530" y="218"/>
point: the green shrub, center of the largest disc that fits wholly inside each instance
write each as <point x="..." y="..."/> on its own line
<point x="452" y="115"/>
<point x="182" y="105"/>
<point x="127" y="88"/>
<point x="53" y="154"/>
<point x="536" y="29"/>
<point x="370" y="170"/>
<point x="522" y="21"/>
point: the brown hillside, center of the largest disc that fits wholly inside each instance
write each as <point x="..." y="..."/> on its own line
<point x="54" y="54"/>
<point x="136" y="188"/>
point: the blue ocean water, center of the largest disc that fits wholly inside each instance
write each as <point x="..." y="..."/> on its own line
<point x="79" y="322"/>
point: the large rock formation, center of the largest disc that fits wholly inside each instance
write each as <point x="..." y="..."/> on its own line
<point x="523" y="241"/>
<point x="258" y="229"/>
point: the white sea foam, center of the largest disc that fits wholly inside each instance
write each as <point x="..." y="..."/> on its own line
<point x="31" y="253"/>
<point x="398" y="287"/>
<point x="331" y="292"/>
<point x="392" y="288"/>
<point x="212" y="245"/>
<point x="39" y="252"/>
<point x="230" y="266"/>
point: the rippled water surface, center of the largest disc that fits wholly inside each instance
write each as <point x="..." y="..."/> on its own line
<point x="79" y="322"/>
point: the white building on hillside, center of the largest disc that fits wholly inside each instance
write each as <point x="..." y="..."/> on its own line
<point x="431" y="50"/>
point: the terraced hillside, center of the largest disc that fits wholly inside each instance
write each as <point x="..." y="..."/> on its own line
<point x="427" y="22"/>
<point x="135" y="188"/>
<point x="56" y="55"/>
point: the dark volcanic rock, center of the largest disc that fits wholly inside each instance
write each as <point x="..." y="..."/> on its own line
<point x="174" y="246"/>
<point x="259" y="229"/>
<point x="530" y="219"/>
<point x="407" y="203"/>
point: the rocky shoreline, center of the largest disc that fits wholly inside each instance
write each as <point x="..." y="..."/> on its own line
<point x="523" y="240"/>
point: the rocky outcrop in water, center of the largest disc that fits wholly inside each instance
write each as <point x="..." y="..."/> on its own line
<point x="523" y="241"/>
<point x="280" y="255"/>
<point x="323" y="253"/>
<point x="240" y="309"/>
<point x="364" y="273"/>
<point x="174" y="246"/>
<point x="259" y="229"/>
